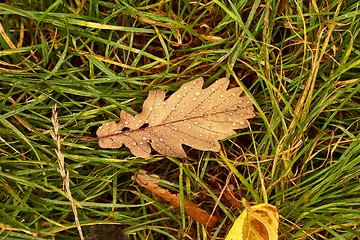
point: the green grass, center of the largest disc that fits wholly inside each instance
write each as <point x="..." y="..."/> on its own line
<point x="95" y="58"/>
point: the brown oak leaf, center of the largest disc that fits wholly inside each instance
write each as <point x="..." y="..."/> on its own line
<point x="191" y="116"/>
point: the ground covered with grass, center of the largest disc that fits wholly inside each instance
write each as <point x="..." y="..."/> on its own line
<point x="298" y="60"/>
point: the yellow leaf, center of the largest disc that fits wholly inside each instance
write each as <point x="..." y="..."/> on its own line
<point x="258" y="222"/>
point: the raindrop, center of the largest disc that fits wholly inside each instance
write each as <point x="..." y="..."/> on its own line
<point x="178" y="96"/>
<point x="194" y="98"/>
<point x="213" y="89"/>
<point x="197" y="93"/>
<point x="151" y="108"/>
<point x="133" y="143"/>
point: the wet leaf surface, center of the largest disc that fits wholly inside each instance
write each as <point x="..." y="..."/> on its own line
<point x="193" y="116"/>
